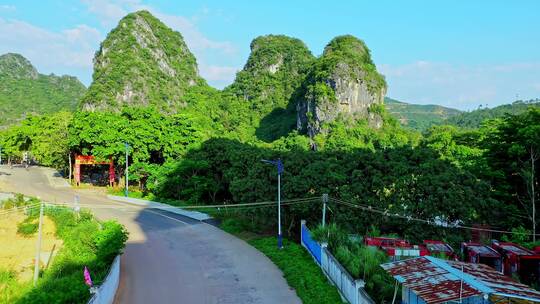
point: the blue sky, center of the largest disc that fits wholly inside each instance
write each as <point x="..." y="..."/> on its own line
<point x="454" y="53"/>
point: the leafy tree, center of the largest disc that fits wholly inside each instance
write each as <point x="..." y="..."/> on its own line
<point x="513" y="153"/>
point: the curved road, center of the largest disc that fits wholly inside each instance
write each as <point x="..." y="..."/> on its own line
<point x="169" y="258"/>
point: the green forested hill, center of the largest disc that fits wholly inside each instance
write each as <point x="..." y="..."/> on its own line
<point x="270" y="80"/>
<point x="475" y="118"/>
<point x="418" y="117"/>
<point x="24" y="91"/>
<point x="142" y="62"/>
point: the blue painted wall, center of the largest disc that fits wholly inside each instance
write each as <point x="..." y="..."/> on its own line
<point x="311" y="245"/>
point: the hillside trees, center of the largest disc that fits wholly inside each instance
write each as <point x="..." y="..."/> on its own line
<point x="24" y="92"/>
<point x="413" y="182"/>
<point x="45" y="137"/>
<point x="513" y="154"/>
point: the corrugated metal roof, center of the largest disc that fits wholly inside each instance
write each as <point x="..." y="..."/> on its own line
<point x="482" y="250"/>
<point x="438" y="281"/>
<point x="515" y="249"/>
<point x="432" y="283"/>
<point x="495" y="280"/>
<point x="438" y="247"/>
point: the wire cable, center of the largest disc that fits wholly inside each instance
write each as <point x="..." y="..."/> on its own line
<point x="429" y="222"/>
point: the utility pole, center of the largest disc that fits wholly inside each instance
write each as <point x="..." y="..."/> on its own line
<point x="69" y="156"/>
<point x="325" y="201"/>
<point x="127" y="175"/>
<point x="279" y="166"/>
<point x="38" y="247"/>
<point x="76" y="206"/>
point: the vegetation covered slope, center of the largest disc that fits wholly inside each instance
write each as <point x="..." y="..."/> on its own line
<point x="24" y="91"/>
<point x="418" y="117"/>
<point x="342" y="82"/>
<point x="142" y="62"/>
<point x="269" y="82"/>
<point x="274" y="70"/>
<point x="475" y="118"/>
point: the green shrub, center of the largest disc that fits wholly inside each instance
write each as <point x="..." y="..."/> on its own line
<point x="362" y="262"/>
<point x="27" y="228"/>
<point x="110" y="241"/>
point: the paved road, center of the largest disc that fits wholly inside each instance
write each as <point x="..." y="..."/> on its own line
<point x="169" y="258"/>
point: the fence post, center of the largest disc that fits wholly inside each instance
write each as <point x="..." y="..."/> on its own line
<point x="359" y="284"/>
<point x="302" y="225"/>
<point x="324" y="200"/>
<point x="324" y="258"/>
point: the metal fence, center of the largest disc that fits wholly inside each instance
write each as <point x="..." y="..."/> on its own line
<point x="313" y="247"/>
<point x="350" y="289"/>
<point x="106" y="291"/>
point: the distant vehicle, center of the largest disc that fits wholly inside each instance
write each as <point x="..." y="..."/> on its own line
<point x="520" y="261"/>
<point x="481" y="254"/>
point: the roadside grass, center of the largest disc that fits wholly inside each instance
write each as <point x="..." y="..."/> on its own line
<point x="10" y="288"/>
<point x="86" y="242"/>
<point x="300" y="271"/>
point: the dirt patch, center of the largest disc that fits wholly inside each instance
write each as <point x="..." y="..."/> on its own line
<point x="18" y="252"/>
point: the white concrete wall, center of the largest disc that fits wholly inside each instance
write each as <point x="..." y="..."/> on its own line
<point x="106" y="291"/>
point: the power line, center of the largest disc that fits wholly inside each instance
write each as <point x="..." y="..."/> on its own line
<point x="386" y="213"/>
<point x="302" y="200"/>
<point x="18" y="209"/>
<point x="221" y="206"/>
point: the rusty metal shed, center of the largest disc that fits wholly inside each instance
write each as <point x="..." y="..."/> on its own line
<point x="431" y="280"/>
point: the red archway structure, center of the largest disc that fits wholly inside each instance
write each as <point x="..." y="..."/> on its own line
<point x="90" y="160"/>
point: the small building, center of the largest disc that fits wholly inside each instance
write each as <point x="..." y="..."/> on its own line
<point x="396" y="249"/>
<point x="429" y="280"/>
<point x="481" y="254"/>
<point x="439" y="248"/>
<point x="520" y="261"/>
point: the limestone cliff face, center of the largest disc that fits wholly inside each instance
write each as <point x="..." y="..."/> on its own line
<point x="142" y="62"/>
<point x="274" y="70"/>
<point x="343" y="82"/>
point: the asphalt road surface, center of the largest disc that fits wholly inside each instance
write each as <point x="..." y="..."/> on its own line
<point x="169" y="258"/>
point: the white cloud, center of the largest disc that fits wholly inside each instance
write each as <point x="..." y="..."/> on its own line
<point x="219" y="76"/>
<point x="50" y="51"/>
<point x="109" y="12"/>
<point x="459" y="85"/>
<point x="7" y="7"/>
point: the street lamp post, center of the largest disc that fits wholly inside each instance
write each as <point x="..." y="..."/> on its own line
<point x="279" y="166"/>
<point x="126" y="192"/>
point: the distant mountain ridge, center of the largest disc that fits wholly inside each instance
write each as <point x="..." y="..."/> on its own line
<point x="421" y="117"/>
<point x="24" y="91"/>
<point x="416" y="116"/>
<point x="475" y="118"/>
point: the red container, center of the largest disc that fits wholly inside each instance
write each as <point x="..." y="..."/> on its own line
<point x="439" y="248"/>
<point x="481" y="254"/>
<point x="397" y="249"/>
<point x="520" y="261"/>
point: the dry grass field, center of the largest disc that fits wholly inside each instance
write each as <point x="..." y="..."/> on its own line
<point x="17" y="252"/>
